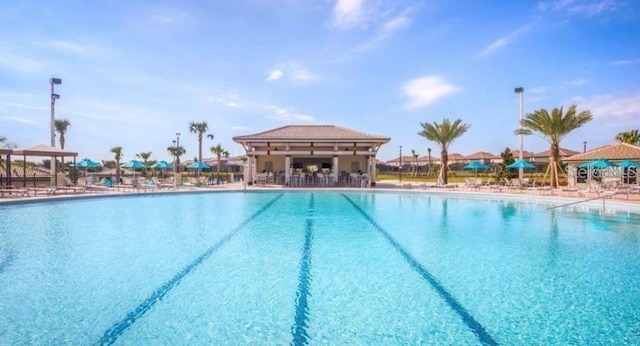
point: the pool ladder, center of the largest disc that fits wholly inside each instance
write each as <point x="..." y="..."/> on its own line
<point x="604" y="198"/>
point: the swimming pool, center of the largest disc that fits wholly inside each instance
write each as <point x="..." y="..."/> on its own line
<point x="316" y="267"/>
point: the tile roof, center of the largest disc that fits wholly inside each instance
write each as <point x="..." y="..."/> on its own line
<point x="480" y="155"/>
<point x="44" y="150"/>
<point x="310" y="132"/>
<point x="563" y="153"/>
<point x="618" y="151"/>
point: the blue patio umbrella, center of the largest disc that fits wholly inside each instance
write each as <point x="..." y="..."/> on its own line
<point x="475" y="165"/>
<point x="162" y="165"/>
<point x="598" y="164"/>
<point x="87" y="163"/>
<point x="133" y="164"/>
<point x="198" y="165"/>
<point x="521" y="164"/>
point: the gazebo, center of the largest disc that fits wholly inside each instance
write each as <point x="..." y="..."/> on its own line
<point x="311" y="147"/>
<point x="42" y="151"/>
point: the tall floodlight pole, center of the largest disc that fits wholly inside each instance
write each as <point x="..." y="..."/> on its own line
<point x="54" y="97"/>
<point x="520" y="90"/>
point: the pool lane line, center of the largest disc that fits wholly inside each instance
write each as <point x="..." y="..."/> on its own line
<point x="301" y="322"/>
<point x="113" y="333"/>
<point x="475" y="326"/>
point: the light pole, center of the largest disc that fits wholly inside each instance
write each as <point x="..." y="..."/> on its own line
<point x="178" y="152"/>
<point x="54" y="97"/>
<point x="400" y="166"/>
<point x="520" y="90"/>
<point x="584" y="146"/>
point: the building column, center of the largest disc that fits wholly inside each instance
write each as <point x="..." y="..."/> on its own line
<point x="287" y="169"/>
<point x="336" y="169"/>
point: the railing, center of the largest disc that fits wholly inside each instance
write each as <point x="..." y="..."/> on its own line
<point x="604" y="197"/>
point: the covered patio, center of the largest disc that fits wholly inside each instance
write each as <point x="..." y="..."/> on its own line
<point x="311" y="155"/>
<point x="615" y="154"/>
<point x="41" y="150"/>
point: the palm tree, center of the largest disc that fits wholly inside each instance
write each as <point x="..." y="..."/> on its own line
<point x="200" y="129"/>
<point x="117" y="151"/>
<point x="629" y="137"/>
<point x="61" y="126"/>
<point x="429" y="158"/>
<point x="553" y="128"/>
<point x="176" y="152"/>
<point x="443" y="135"/>
<point x="414" y="163"/>
<point x="219" y="151"/>
<point x="144" y="156"/>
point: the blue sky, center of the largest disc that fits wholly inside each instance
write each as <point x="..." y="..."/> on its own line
<point x="135" y="73"/>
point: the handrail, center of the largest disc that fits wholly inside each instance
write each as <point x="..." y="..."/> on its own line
<point x="611" y="194"/>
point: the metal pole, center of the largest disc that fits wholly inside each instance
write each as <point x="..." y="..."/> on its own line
<point x="520" y="91"/>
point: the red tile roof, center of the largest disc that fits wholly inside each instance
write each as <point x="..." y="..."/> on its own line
<point x="618" y="151"/>
<point x="310" y="132"/>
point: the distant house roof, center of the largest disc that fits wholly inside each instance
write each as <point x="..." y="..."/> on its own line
<point x="456" y="157"/>
<point x="405" y="160"/>
<point x="480" y="155"/>
<point x="44" y="150"/>
<point x="311" y="132"/>
<point x="563" y="153"/>
<point x="618" y="151"/>
<point x="525" y="154"/>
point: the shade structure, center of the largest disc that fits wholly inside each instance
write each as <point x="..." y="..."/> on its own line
<point x="599" y="163"/>
<point x="162" y="165"/>
<point x="133" y="164"/>
<point x="87" y="163"/>
<point x="475" y="165"/>
<point x="521" y="164"/>
<point x="628" y="164"/>
<point x="198" y="165"/>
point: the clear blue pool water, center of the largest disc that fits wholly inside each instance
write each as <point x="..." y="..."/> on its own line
<point x="316" y="268"/>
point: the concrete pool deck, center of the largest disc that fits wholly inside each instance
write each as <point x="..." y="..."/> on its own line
<point x="627" y="201"/>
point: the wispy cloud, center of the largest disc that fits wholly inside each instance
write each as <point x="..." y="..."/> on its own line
<point x="24" y="120"/>
<point x="293" y="72"/>
<point x="625" y="62"/>
<point x="65" y="46"/>
<point x="505" y="40"/>
<point x="538" y="89"/>
<point x="21" y="64"/>
<point x="288" y="115"/>
<point x="348" y="13"/>
<point x="425" y="90"/>
<point x="609" y="106"/>
<point x="386" y="30"/>
<point x="23" y="106"/>
<point x="585" y="7"/>
<point x="577" y="82"/>
<point x="232" y="104"/>
<point x="240" y="128"/>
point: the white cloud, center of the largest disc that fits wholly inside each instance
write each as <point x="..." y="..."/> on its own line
<point x="609" y="106"/>
<point x="275" y="75"/>
<point x="20" y="64"/>
<point x="293" y="72"/>
<point x="65" y="46"/>
<point x="347" y="13"/>
<point x="426" y="90"/>
<point x="586" y="7"/>
<point x="24" y="120"/>
<point x="505" y="40"/>
<point x="625" y="62"/>
<point x="287" y="115"/>
<point x="23" y="106"/>
<point x="240" y="128"/>
<point x="538" y="90"/>
<point x="386" y="30"/>
<point x="232" y="104"/>
<point x="577" y="82"/>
